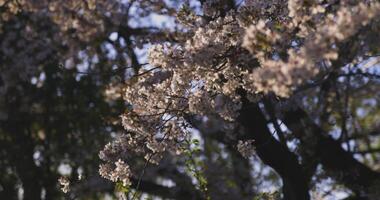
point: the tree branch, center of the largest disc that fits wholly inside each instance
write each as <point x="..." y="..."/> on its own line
<point x="273" y="153"/>
<point x="335" y="160"/>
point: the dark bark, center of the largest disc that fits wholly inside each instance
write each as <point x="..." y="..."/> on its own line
<point x="335" y="160"/>
<point x="22" y="158"/>
<point x="273" y="153"/>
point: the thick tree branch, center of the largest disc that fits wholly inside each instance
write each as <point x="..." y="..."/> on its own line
<point x="273" y="153"/>
<point x="335" y="160"/>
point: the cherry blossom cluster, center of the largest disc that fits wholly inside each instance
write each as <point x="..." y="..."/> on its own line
<point x="246" y="148"/>
<point x="282" y="75"/>
<point x="202" y="72"/>
<point x="65" y="184"/>
<point x="119" y="172"/>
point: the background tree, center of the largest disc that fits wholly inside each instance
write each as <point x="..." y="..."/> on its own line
<point x="233" y="100"/>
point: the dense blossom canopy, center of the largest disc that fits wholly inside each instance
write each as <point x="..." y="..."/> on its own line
<point x="222" y="56"/>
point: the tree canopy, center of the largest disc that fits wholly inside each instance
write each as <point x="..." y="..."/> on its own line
<point x="192" y="99"/>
